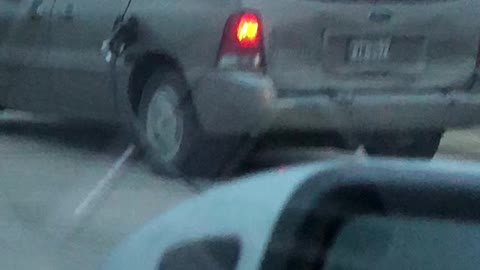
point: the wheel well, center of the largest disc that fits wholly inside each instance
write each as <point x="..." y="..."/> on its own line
<point x="143" y="68"/>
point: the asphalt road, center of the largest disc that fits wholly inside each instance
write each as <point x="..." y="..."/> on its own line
<point x="48" y="170"/>
<point x="66" y="197"/>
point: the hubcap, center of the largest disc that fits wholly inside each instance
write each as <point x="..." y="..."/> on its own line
<point x="164" y="125"/>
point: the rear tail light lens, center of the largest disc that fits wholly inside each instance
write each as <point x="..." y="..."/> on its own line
<point x="247" y="30"/>
<point x="242" y="43"/>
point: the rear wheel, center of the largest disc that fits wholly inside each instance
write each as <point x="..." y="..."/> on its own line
<point x="174" y="142"/>
<point x="418" y="145"/>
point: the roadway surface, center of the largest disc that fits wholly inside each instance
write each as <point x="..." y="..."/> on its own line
<point x="66" y="197"/>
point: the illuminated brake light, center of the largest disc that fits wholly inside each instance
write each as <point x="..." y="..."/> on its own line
<point x="242" y="47"/>
<point x="247" y="30"/>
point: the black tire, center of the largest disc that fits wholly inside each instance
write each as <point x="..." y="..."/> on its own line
<point x="421" y="145"/>
<point x="198" y="154"/>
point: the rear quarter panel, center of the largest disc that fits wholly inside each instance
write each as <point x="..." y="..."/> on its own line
<point x="188" y="30"/>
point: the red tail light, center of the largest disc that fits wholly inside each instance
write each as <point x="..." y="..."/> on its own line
<point x="247" y="30"/>
<point x="242" y="43"/>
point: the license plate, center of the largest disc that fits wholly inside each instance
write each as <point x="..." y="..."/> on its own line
<point x="368" y="50"/>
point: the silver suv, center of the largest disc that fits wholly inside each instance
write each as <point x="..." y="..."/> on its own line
<point x="197" y="79"/>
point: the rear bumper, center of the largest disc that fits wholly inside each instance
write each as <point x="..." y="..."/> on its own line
<point x="379" y="112"/>
<point x="233" y="102"/>
<point x="239" y="102"/>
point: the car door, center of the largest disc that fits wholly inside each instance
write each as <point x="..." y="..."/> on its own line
<point x="24" y="47"/>
<point x="80" y="76"/>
